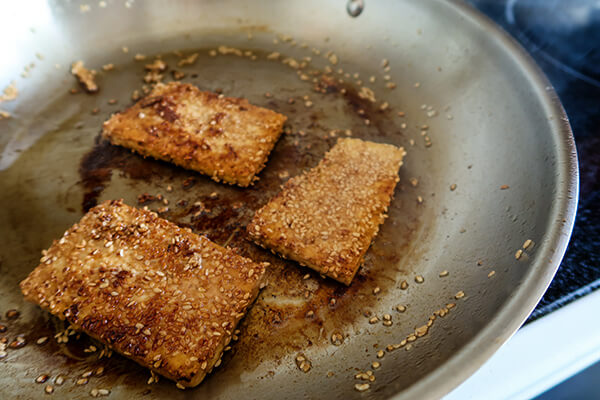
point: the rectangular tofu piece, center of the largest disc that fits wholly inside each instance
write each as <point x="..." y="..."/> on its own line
<point x="223" y="137"/>
<point x="327" y="217"/>
<point x="152" y="291"/>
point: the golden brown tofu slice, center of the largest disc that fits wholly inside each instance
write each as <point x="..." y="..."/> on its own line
<point x="152" y="291"/>
<point x="223" y="137"/>
<point x="327" y="217"/>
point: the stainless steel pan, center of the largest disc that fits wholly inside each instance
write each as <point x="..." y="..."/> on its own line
<point x="496" y="166"/>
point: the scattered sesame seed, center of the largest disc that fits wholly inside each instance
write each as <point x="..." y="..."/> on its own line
<point x="375" y="364"/>
<point x="380" y="354"/>
<point x="337" y="339"/>
<point x="453" y="187"/>
<point x="42" y="378"/>
<point x="377" y="290"/>
<point x="42" y="340"/>
<point x="492" y="273"/>
<point x="527" y="243"/>
<point x="373" y="320"/>
<point x="404" y="285"/>
<point x="419" y="279"/>
<point x="303" y="363"/>
<point x="419" y="199"/>
<point x="444" y="273"/>
<point x="59" y="380"/>
<point x="459" y="295"/>
<point x="12" y="314"/>
<point x="504" y="187"/>
<point x="49" y="389"/>
<point x="361" y="387"/>
<point x="400" y="308"/>
<point x="421" y="331"/>
<point x="518" y="254"/>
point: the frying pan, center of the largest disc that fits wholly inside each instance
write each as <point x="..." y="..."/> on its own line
<point x="491" y="163"/>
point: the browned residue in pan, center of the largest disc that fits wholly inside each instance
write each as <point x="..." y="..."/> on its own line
<point x="293" y="312"/>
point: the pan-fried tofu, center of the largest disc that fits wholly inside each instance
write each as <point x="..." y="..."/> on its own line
<point x="223" y="137"/>
<point x="327" y="217"/>
<point x="152" y="291"/>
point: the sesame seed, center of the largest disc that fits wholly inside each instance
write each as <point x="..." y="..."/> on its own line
<point x="421" y="331"/>
<point x="419" y="279"/>
<point x="444" y="273"/>
<point x="373" y="320"/>
<point x="527" y="243"/>
<point x="380" y="354"/>
<point x="337" y="339"/>
<point x="376" y="290"/>
<point x="459" y="295"/>
<point x="49" y="389"/>
<point x="42" y="378"/>
<point x="492" y="273"/>
<point x="453" y="187"/>
<point x="518" y="254"/>
<point x="180" y="386"/>
<point x="388" y="323"/>
<point x="375" y="364"/>
<point x="504" y="187"/>
<point x="404" y="285"/>
<point x="387" y="317"/>
<point x="361" y="387"/>
<point x="42" y="340"/>
<point x="400" y="308"/>
<point x="59" y="380"/>
<point x="94" y="392"/>
<point x="81" y="381"/>
<point x="103" y="392"/>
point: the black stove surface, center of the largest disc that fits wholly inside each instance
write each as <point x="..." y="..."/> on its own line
<point x="563" y="36"/>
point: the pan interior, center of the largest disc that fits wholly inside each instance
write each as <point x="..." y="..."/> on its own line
<point x="478" y="181"/>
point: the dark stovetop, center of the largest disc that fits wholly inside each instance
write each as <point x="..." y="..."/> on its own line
<point x="564" y="39"/>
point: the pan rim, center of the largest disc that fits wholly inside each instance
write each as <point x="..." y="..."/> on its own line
<point x="515" y="312"/>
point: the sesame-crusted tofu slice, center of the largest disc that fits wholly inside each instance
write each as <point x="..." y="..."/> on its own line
<point x="152" y="291"/>
<point x="223" y="137"/>
<point x="327" y="217"/>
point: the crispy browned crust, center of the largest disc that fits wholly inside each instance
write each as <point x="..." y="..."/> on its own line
<point x="327" y="217"/>
<point x="224" y="137"/>
<point x="156" y="293"/>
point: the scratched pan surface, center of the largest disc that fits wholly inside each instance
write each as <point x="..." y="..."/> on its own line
<point x="492" y="121"/>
